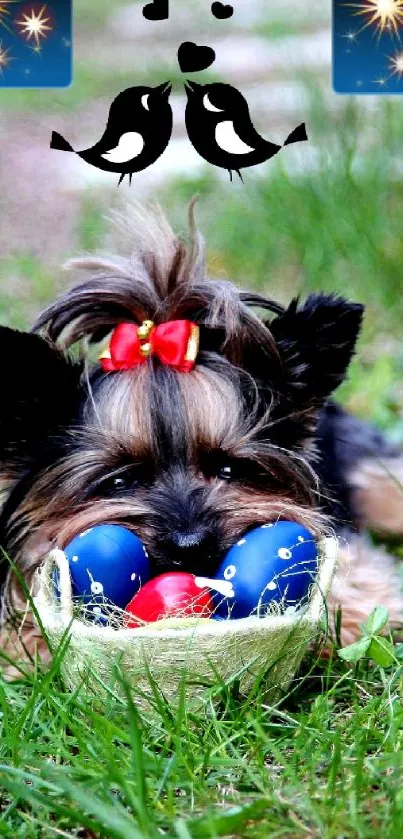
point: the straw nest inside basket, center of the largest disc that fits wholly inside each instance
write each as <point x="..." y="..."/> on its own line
<point x="166" y="652"/>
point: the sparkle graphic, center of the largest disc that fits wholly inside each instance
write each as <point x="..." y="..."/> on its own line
<point x="396" y="64"/>
<point x="35" y="25"/>
<point x="385" y="15"/>
<point x="350" y="36"/>
<point x="5" y="58"/>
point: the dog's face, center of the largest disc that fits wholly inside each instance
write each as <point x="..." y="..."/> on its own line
<point x="189" y="461"/>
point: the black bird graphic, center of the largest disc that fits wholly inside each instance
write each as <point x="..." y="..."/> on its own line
<point x="138" y="131"/>
<point x="221" y="130"/>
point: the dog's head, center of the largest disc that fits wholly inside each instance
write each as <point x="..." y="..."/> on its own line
<point x="188" y="460"/>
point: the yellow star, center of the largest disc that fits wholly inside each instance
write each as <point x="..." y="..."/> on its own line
<point x="384" y="14"/>
<point x="5" y="58"/>
<point x="35" y="25"/>
<point x="396" y="64"/>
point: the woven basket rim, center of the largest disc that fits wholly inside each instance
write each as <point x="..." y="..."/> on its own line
<point x="61" y="618"/>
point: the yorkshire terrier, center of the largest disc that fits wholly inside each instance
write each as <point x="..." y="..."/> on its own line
<point x="225" y="425"/>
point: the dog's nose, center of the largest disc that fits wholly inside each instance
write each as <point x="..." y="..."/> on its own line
<point x="190" y="550"/>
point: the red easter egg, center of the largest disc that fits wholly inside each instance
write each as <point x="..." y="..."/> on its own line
<point x="169" y="595"/>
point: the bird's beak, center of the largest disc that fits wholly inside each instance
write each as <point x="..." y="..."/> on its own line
<point x="190" y="87"/>
<point x="163" y="89"/>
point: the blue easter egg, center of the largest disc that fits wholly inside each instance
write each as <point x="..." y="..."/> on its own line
<point x="274" y="562"/>
<point x="108" y="564"/>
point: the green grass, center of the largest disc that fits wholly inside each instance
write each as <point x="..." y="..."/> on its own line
<point x="88" y="16"/>
<point x="326" y="764"/>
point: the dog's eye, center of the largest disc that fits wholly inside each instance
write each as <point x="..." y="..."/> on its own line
<point x="215" y="464"/>
<point x="225" y="473"/>
<point x="119" y="483"/>
<point x="124" y="481"/>
<point x="115" y="484"/>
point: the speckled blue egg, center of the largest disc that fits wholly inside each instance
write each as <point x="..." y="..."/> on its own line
<point x="274" y="562"/>
<point x="108" y="564"/>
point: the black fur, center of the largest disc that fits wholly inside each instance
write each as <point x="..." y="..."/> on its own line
<point x="41" y="392"/>
<point x="343" y="441"/>
<point x="315" y="342"/>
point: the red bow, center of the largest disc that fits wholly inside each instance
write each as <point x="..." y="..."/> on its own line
<point x="175" y="343"/>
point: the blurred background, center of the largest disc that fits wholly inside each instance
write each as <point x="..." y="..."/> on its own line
<point x="320" y="216"/>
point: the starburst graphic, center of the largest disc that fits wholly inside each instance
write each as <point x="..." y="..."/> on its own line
<point x="5" y="58"/>
<point x="385" y="15"/>
<point x="350" y="36"/>
<point x="396" y="65"/>
<point x="35" y="25"/>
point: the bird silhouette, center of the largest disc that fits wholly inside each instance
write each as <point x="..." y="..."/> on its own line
<point x="221" y="130"/>
<point x="138" y="131"/>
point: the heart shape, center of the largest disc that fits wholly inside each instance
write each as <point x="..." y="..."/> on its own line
<point x="221" y="11"/>
<point x="157" y="10"/>
<point x="193" y="58"/>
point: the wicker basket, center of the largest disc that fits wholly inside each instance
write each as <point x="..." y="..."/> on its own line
<point x="198" y="652"/>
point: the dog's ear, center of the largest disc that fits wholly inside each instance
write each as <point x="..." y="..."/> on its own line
<point x="40" y="391"/>
<point x="315" y="343"/>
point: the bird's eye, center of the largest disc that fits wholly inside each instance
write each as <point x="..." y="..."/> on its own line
<point x="209" y="105"/>
<point x="144" y="101"/>
<point x="225" y="473"/>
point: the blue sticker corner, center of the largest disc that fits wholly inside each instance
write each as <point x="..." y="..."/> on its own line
<point x="36" y="44"/>
<point x="368" y="46"/>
